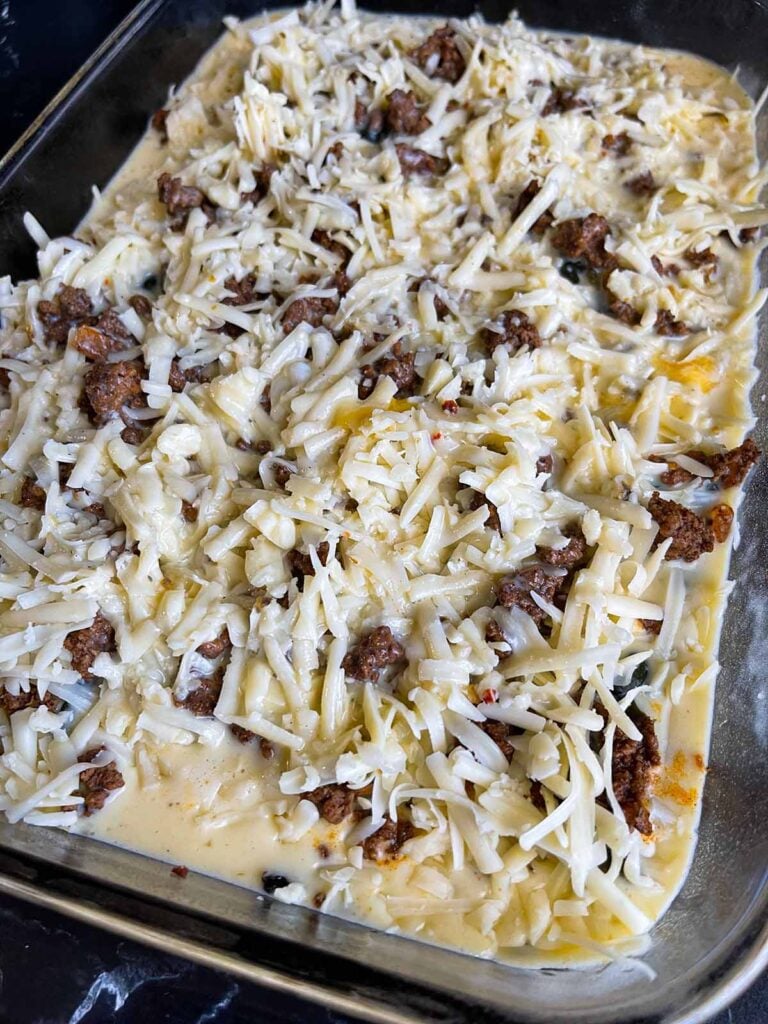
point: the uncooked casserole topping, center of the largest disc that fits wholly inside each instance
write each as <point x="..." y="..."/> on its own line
<point x="370" y="457"/>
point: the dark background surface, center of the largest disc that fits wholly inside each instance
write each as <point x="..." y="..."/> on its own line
<point x="53" y="970"/>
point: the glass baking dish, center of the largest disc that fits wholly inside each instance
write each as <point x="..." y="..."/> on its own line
<point x="714" y="940"/>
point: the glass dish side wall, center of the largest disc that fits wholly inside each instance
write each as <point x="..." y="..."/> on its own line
<point x="715" y="932"/>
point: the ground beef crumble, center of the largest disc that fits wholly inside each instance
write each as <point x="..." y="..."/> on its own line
<point x="479" y="500"/>
<point x="417" y="161"/>
<point x="404" y="116"/>
<point x="572" y="556"/>
<point x="97" y="783"/>
<point x="385" y="843"/>
<point x="398" y="365"/>
<point x="515" y="331"/>
<point x="141" y="305"/>
<point x="179" y="199"/>
<point x="634" y="766"/>
<point x="501" y="733"/>
<point x="300" y="564"/>
<point x="544" y="221"/>
<point x="203" y="699"/>
<point x="32" y="495"/>
<point x="515" y="591"/>
<point x="666" y="325"/>
<point x="439" y="55"/>
<point x="583" y="238"/>
<point x="213" y="648"/>
<point x="10" y="703"/>
<point x="70" y="307"/>
<point x="372" y="654"/>
<point x="560" y="101"/>
<point x="729" y="469"/>
<point x="721" y="521"/>
<point x="335" y="802"/>
<point x="537" y="796"/>
<point x="110" y="386"/>
<point x="84" y="645"/>
<point x="691" y="534"/>
<point x="619" y="144"/>
<point x="642" y="185"/>
<point x="623" y="311"/>
<point x="311" y="310"/>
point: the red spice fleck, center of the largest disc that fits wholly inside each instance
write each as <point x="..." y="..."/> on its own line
<point x="437" y="436"/>
<point x="180" y="871"/>
<point x="450" y="406"/>
<point x="490" y="696"/>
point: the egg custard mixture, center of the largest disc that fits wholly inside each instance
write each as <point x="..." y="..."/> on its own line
<point x="369" y="464"/>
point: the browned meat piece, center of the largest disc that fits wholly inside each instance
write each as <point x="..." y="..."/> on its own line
<point x="439" y="55"/>
<point x="584" y="238"/>
<point x="404" y="116"/>
<point x="623" y="310"/>
<point x="300" y="564"/>
<point x="634" y="766"/>
<point x="203" y="699"/>
<point x="97" y="783"/>
<point x="244" y="736"/>
<point x="386" y="842"/>
<point x="721" y="520"/>
<point x="160" y="123"/>
<point x="370" y="123"/>
<point x="501" y="733"/>
<point x="560" y="101"/>
<point x="96" y="509"/>
<point x="189" y="512"/>
<point x="516" y="591"/>
<point x="84" y="645"/>
<point x="109" y="387"/>
<point x="572" y="556"/>
<point x="512" y="329"/>
<point x="542" y="223"/>
<point x="335" y="802"/>
<point x="670" y="270"/>
<point x="667" y="326"/>
<point x="374" y="652"/>
<point x="701" y="258"/>
<point x="396" y="364"/>
<point x="494" y="634"/>
<point x="141" y="305"/>
<point x="263" y="179"/>
<point x="176" y="378"/>
<point x="619" y="144"/>
<point x="311" y="310"/>
<point x="478" y="500"/>
<point x="101" y="335"/>
<point x="132" y="435"/>
<point x="537" y="797"/>
<point x="416" y="161"/>
<point x="729" y="468"/>
<point x="32" y="495"/>
<point x="74" y="302"/>
<point x="10" y="703"/>
<point x="544" y="464"/>
<point x="180" y="199"/>
<point x="327" y="241"/>
<point x="642" y="185"/>
<point x="265" y="401"/>
<point x="651" y="625"/>
<point x="245" y="292"/>
<point x="281" y="474"/>
<point x="213" y="648"/>
<point x="691" y="535"/>
<point x="69" y="308"/>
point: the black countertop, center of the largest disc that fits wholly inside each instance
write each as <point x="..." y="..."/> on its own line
<point x="53" y="970"/>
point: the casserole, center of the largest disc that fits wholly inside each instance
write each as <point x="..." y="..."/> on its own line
<point x="550" y="993"/>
